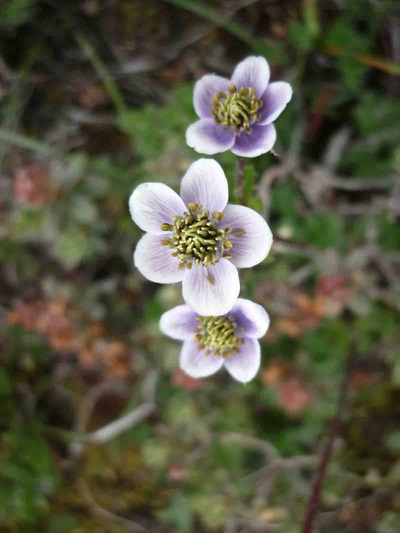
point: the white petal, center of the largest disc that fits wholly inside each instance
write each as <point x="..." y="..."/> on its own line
<point x="205" y="90"/>
<point x="275" y="99"/>
<point x="244" y="366"/>
<point x="211" y="291"/>
<point x="253" y="247"/>
<point x="207" y="137"/>
<point x="251" y="317"/>
<point x="205" y="183"/>
<point x="252" y="72"/>
<point x="152" y="204"/>
<point x="196" y="363"/>
<point x="179" y="323"/>
<point x="154" y="260"/>
<point x="259" y="141"/>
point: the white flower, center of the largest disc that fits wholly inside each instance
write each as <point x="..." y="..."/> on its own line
<point x="198" y="238"/>
<point x="211" y="342"/>
<point x="238" y="114"/>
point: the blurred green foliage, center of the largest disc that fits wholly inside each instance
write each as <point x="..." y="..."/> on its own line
<point x="66" y="269"/>
<point x="14" y="13"/>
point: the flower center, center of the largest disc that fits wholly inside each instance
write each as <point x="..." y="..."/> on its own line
<point x="236" y="109"/>
<point x="218" y="334"/>
<point x="196" y="238"/>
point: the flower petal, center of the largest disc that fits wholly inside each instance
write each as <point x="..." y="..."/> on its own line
<point x="244" y="366"/>
<point x="275" y="99"/>
<point x="179" y="323"/>
<point x="205" y="183"/>
<point x="260" y="140"/>
<point x="252" y="72"/>
<point x="205" y="90"/>
<point x="152" y="204"/>
<point x="196" y="363"/>
<point x="155" y="261"/>
<point x="251" y="317"/>
<point x="211" y="291"/>
<point x="207" y="137"/>
<point x="251" y="248"/>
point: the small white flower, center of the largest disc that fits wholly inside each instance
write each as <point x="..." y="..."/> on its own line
<point x="238" y="114"/>
<point x="198" y="238"/>
<point x="210" y="342"/>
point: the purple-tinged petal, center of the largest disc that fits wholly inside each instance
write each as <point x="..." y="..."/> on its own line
<point x="205" y="90"/>
<point x="152" y="204"/>
<point x="207" y="137"/>
<point x="253" y="246"/>
<point x="244" y="366"/>
<point x="259" y="141"/>
<point x="274" y="100"/>
<point x="155" y="261"/>
<point x="205" y="183"/>
<point x="253" y="72"/>
<point x="211" y="291"/>
<point x="196" y="363"/>
<point x="251" y="317"/>
<point x="179" y="323"/>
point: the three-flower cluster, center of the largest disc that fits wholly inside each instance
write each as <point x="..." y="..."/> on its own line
<point x="201" y="240"/>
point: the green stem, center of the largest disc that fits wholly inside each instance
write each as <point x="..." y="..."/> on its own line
<point x="102" y="72"/>
<point x="207" y="13"/>
<point x="239" y="182"/>
<point x="28" y="143"/>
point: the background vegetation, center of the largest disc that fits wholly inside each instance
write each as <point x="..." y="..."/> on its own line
<point x="95" y="98"/>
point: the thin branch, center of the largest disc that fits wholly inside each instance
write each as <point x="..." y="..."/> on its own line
<point x="121" y="425"/>
<point x="288" y="246"/>
<point x="89" y="401"/>
<point x="301" y="274"/>
<point x="283" y="463"/>
<point x="104" y="513"/>
<point x="315" y="497"/>
<point x="116" y="427"/>
<point x="335" y="147"/>
<point x="268" y="177"/>
<point x="363" y="184"/>
<point x="248" y="441"/>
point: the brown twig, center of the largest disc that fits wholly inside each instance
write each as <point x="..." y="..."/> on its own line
<point x="105" y="514"/>
<point x="239" y="183"/>
<point x="118" y="426"/>
<point x="379" y="63"/>
<point x="281" y="245"/>
<point x="315" y="497"/>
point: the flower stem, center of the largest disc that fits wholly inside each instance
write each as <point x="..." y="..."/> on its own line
<point x="314" y="500"/>
<point x="239" y="185"/>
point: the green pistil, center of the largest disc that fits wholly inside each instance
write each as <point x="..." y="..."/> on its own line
<point x="196" y="237"/>
<point x="236" y="109"/>
<point x="218" y="335"/>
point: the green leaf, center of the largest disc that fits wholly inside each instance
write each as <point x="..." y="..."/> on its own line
<point x="5" y="384"/>
<point x="14" y="13"/>
<point x="178" y="514"/>
<point x="301" y="37"/>
<point x="393" y="441"/>
<point x="375" y="112"/>
<point x="72" y="247"/>
<point x="321" y="230"/>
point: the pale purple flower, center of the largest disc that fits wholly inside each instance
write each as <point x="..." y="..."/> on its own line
<point x="210" y="342"/>
<point x="197" y="237"/>
<point x="237" y="114"/>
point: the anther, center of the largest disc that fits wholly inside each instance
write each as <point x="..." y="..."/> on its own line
<point x="196" y="238"/>
<point x="218" y="335"/>
<point x="166" y="227"/>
